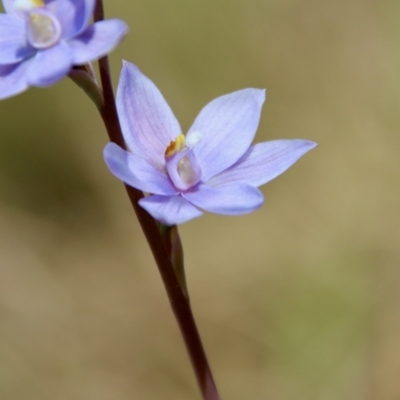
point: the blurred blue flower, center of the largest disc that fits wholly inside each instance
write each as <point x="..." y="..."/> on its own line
<point x="214" y="168"/>
<point x="41" y="40"/>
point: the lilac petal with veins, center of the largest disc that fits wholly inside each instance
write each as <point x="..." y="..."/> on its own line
<point x="147" y="122"/>
<point x="136" y="172"/>
<point x="264" y="162"/>
<point x="228" y="125"/>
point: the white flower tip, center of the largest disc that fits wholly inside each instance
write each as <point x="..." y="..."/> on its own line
<point x="192" y="138"/>
<point x="27" y="5"/>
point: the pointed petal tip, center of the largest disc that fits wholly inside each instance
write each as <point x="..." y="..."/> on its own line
<point x="264" y="162"/>
<point x="130" y="72"/>
<point x="258" y="94"/>
<point x="309" y="144"/>
<point x="303" y="145"/>
<point x="263" y="94"/>
<point x="126" y="65"/>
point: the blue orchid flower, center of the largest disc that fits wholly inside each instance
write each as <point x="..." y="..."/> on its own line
<point x="41" y="40"/>
<point x="213" y="168"/>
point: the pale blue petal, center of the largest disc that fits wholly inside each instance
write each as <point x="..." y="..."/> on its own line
<point x="97" y="40"/>
<point x="50" y="65"/>
<point x="263" y="162"/>
<point x="13" y="44"/>
<point x="9" y="8"/>
<point x="234" y="199"/>
<point x="136" y="172"/>
<point x="228" y="125"/>
<point x="74" y="15"/>
<point x="147" y="122"/>
<point x="171" y="210"/>
<point x="13" y="79"/>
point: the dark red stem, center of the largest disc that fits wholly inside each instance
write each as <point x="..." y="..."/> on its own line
<point x="179" y="303"/>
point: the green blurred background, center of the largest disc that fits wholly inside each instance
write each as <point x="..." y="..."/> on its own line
<point x="300" y="300"/>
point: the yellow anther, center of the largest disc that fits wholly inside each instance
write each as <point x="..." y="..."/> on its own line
<point x="175" y="145"/>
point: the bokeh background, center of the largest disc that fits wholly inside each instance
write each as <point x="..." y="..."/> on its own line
<point x="300" y="300"/>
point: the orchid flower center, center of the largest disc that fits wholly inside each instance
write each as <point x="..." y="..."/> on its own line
<point x="181" y="163"/>
<point x="188" y="172"/>
<point x="43" y="29"/>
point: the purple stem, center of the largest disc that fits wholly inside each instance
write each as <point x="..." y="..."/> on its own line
<point x="179" y="303"/>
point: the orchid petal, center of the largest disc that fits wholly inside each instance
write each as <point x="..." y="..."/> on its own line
<point x="228" y="125"/>
<point x="235" y="199"/>
<point x="74" y="15"/>
<point x="136" y="172"/>
<point x="12" y="79"/>
<point x="147" y="122"/>
<point x="97" y="40"/>
<point x="263" y="162"/>
<point x="13" y="44"/>
<point x="50" y="65"/>
<point x="9" y="7"/>
<point x="172" y="210"/>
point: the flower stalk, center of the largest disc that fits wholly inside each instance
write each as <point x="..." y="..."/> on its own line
<point x="173" y="244"/>
<point x="159" y="246"/>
